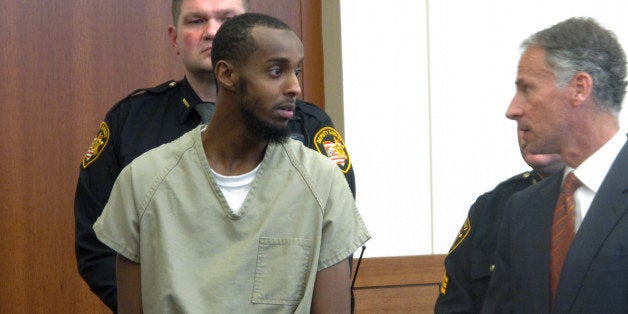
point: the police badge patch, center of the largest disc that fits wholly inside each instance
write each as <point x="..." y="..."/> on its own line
<point x="462" y="234"/>
<point x="329" y="143"/>
<point x="97" y="146"/>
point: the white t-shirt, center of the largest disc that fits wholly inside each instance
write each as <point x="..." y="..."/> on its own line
<point x="235" y="188"/>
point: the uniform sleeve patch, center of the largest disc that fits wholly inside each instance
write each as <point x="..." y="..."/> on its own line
<point x="462" y="234"/>
<point x="98" y="144"/>
<point x="329" y="143"/>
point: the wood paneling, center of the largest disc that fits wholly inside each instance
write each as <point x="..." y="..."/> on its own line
<point x="64" y="63"/>
<point x="313" y="74"/>
<point x="397" y="300"/>
<point x="404" y="284"/>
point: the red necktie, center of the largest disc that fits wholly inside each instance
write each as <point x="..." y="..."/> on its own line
<point x="563" y="230"/>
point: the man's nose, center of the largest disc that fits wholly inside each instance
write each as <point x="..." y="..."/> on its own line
<point x="514" y="111"/>
<point x="212" y="27"/>
<point x="293" y="87"/>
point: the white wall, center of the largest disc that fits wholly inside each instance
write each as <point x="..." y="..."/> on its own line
<point x="425" y="87"/>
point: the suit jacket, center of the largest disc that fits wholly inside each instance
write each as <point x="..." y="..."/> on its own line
<point x="594" y="277"/>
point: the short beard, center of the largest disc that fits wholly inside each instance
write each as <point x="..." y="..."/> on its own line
<point x="261" y="129"/>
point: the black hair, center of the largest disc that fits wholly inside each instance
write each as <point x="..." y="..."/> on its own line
<point x="233" y="41"/>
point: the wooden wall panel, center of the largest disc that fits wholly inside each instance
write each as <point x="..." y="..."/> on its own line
<point x="64" y="63"/>
<point x="313" y="74"/>
<point x="404" y="284"/>
<point x="418" y="299"/>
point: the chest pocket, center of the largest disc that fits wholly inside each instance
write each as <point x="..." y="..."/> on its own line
<point x="281" y="271"/>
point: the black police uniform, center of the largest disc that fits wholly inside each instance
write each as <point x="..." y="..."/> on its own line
<point x="469" y="263"/>
<point x="144" y="120"/>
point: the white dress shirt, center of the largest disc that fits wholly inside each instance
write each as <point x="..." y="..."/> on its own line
<point x="592" y="172"/>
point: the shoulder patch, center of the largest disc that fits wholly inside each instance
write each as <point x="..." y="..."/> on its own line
<point x="462" y="234"/>
<point x="98" y="144"/>
<point x="329" y="143"/>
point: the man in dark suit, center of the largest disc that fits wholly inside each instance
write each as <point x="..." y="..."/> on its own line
<point x="570" y="86"/>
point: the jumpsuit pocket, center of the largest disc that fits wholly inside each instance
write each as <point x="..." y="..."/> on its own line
<point x="282" y="267"/>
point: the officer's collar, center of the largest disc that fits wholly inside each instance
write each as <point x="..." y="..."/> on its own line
<point x="189" y="99"/>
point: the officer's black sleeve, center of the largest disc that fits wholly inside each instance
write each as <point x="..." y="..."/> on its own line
<point x="499" y="293"/>
<point x="456" y="293"/>
<point x="98" y="171"/>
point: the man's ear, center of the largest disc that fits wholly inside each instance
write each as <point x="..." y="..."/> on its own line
<point x="226" y="75"/>
<point x="582" y="84"/>
<point x="172" y="33"/>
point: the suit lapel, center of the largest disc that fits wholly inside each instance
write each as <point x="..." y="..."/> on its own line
<point x="535" y="225"/>
<point x="608" y="206"/>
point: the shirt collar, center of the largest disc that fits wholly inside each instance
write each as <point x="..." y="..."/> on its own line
<point x="593" y="170"/>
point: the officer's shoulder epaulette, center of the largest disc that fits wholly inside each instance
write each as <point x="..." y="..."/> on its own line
<point x="311" y="109"/>
<point x="521" y="176"/>
<point x="156" y="89"/>
<point x="524" y="176"/>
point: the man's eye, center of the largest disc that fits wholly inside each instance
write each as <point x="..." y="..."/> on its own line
<point x="523" y="88"/>
<point x="196" y="21"/>
<point x="276" y="72"/>
<point x="297" y="72"/>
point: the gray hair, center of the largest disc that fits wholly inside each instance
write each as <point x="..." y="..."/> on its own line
<point x="582" y="45"/>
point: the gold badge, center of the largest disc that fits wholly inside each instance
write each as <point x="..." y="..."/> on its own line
<point x="329" y="143"/>
<point x="462" y="234"/>
<point x="98" y="144"/>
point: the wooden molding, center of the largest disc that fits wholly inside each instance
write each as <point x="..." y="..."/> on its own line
<point x="399" y="271"/>
<point x="313" y="65"/>
<point x="404" y="284"/>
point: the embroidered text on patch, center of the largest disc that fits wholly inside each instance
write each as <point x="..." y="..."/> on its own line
<point x="97" y="146"/>
<point x="329" y="142"/>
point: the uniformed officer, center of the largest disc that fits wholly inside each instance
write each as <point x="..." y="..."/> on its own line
<point x="150" y="117"/>
<point x="469" y="263"/>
